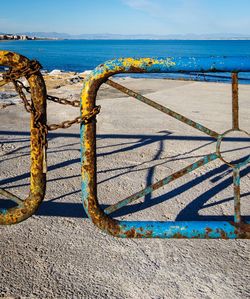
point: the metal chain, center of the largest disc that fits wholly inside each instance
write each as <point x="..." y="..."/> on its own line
<point x="55" y="99"/>
<point x="19" y="86"/>
<point x="74" y="103"/>
<point x="31" y="68"/>
<point x="19" y="89"/>
<point x="80" y="119"/>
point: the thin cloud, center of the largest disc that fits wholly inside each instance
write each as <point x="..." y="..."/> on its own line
<point x="188" y="16"/>
<point x="143" y="5"/>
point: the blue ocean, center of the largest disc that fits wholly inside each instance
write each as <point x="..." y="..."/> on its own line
<point x="81" y="55"/>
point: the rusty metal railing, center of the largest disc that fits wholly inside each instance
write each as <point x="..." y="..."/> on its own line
<point x="21" y="66"/>
<point x="170" y="229"/>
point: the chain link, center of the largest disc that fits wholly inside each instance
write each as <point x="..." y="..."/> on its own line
<point x="80" y="119"/>
<point x="33" y="67"/>
<point x="30" y="68"/>
<point x="74" y="103"/>
<point x="55" y="99"/>
<point x="19" y="89"/>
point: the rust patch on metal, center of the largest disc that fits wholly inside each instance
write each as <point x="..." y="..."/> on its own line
<point x="223" y="234"/>
<point x="131" y="233"/>
<point x="242" y="229"/>
<point x="179" y="236"/>
<point x="208" y="231"/>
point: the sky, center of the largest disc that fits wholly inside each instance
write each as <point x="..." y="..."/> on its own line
<point x="126" y="16"/>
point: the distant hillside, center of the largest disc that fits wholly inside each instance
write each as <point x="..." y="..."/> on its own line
<point x="137" y="36"/>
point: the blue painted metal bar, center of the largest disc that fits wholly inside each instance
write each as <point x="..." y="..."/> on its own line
<point x="175" y="64"/>
<point x="178" y="229"/>
<point x="155" y="229"/>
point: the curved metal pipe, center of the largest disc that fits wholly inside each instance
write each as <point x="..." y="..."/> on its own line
<point x="192" y="229"/>
<point x="38" y="142"/>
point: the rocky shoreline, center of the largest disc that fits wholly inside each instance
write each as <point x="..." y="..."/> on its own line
<point x="57" y="82"/>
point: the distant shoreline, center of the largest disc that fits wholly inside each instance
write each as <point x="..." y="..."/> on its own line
<point x="32" y="40"/>
<point x="125" y="39"/>
<point x="134" y="36"/>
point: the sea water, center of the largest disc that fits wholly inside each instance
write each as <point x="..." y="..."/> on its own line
<point x="82" y="55"/>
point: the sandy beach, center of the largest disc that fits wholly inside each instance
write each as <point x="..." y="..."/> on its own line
<point x="59" y="253"/>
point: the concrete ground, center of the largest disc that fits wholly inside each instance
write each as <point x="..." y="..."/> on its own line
<point x="59" y="253"/>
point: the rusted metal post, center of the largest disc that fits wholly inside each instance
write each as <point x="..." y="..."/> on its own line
<point x="236" y="182"/>
<point x="26" y="208"/>
<point x="235" y="101"/>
